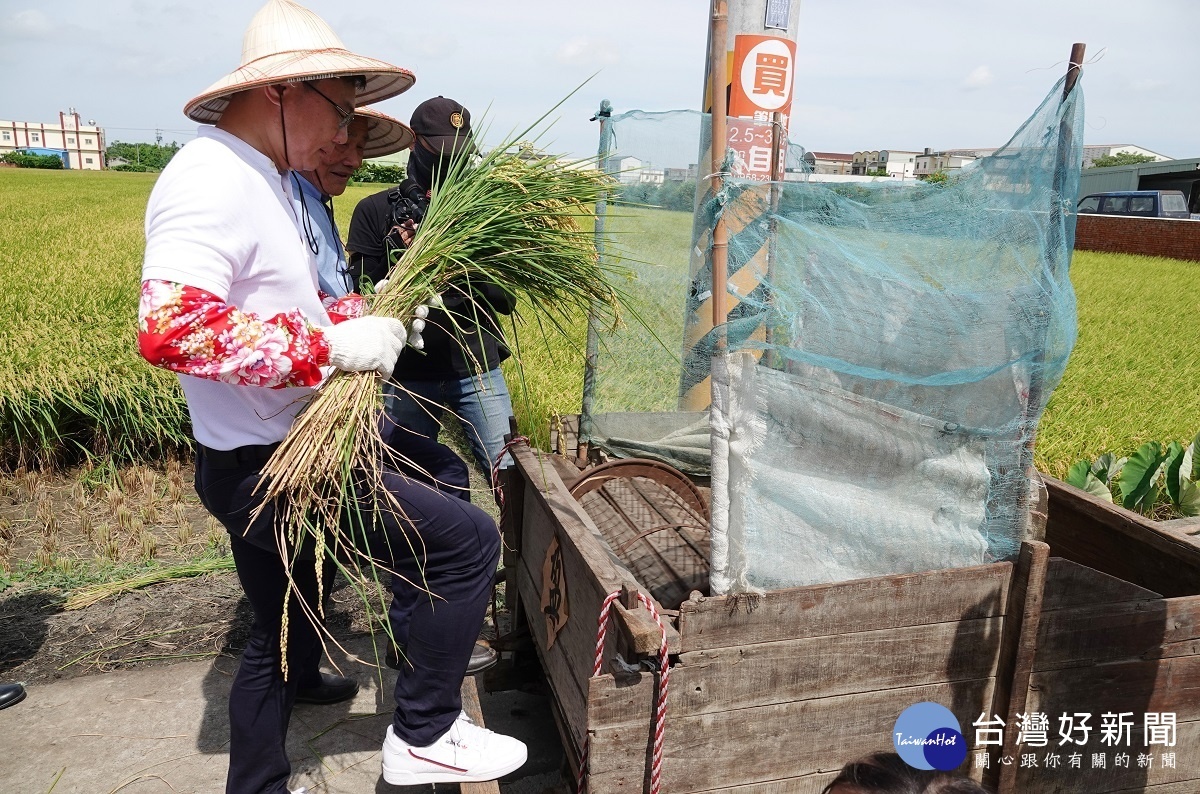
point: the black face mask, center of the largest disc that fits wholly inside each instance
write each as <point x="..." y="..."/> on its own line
<point x="423" y="164"/>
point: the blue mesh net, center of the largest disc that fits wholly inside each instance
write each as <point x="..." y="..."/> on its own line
<point x="890" y="347"/>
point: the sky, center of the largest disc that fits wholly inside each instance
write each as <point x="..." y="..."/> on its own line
<point x="870" y="74"/>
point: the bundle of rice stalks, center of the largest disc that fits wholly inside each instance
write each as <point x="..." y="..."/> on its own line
<point x="507" y="220"/>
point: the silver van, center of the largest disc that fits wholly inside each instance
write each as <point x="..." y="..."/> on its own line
<point x="1144" y="203"/>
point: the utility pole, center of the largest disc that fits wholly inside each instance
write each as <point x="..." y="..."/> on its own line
<point x="158" y="136"/>
<point x="753" y="94"/>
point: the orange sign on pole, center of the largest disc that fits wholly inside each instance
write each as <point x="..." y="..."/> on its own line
<point x="764" y="68"/>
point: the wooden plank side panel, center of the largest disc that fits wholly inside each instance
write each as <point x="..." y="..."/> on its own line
<point x="1063" y="780"/>
<point x="805" y="784"/>
<point x="1119" y="542"/>
<point x="725" y="679"/>
<point x="1091" y="635"/>
<point x="845" y="607"/>
<point x="1182" y="787"/>
<point x="1156" y="685"/>
<point x="769" y="743"/>
<point x="565" y="678"/>
<point x="1069" y="584"/>
<point x="1021" y="620"/>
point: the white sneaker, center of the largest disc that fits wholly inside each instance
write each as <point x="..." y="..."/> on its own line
<point x="464" y="754"/>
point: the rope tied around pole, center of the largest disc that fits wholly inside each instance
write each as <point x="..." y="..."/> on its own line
<point x="660" y="713"/>
<point x="499" y="489"/>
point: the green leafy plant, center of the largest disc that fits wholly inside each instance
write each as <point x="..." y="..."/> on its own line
<point x="386" y="173"/>
<point x="1121" y="158"/>
<point x="1155" y="481"/>
<point x="29" y="160"/>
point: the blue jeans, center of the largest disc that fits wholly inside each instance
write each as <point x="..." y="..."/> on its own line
<point x="481" y="403"/>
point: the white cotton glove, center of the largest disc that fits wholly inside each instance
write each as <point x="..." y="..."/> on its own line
<point x="415" y="341"/>
<point x="366" y="343"/>
<point x="417" y="326"/>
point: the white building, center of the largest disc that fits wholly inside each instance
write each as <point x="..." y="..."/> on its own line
<point x="898" y="163"/>
<point x="81" y="144"/>
<point x="628" y="170"/>
<point x="931" y="162"/>
<point x="829" y="162"/>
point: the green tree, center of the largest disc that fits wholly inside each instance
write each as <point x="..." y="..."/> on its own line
<point x="28" y="160"/>
<point x="1121" y="158"/>
<point x="937" y="178"/>
<point x="678" y="196"/>
<point x="640" y="193"/>
<point x="877" y="172"/>
<point x="379" y="172"/>
<point x="149" y="156"/>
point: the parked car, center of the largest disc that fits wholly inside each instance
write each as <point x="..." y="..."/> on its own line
<point x="1145" y="203"/>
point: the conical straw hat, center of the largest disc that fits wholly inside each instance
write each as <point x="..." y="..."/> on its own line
<point x="286" y="42"/>
<point x="385" y="135"/>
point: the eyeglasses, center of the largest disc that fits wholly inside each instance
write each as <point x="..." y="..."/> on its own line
<point x="346" y="118"/>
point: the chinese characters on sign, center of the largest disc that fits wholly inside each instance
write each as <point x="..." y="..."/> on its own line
<point x="554" y="592"/>
<point x="1115" y="730"/>
<point x="763" y="71"/>
<point x="751" y="143"/>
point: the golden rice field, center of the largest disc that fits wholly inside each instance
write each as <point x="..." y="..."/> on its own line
<point x="70" y="377"/>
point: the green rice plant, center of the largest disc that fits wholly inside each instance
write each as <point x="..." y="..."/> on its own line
<point x="1134" y="374"/>
<point x="87" y="596"/>
<point x="71" y="380"/>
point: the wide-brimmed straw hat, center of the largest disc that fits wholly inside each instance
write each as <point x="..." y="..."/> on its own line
<point x="385" y="135"/>
<point x="286" y="42"/>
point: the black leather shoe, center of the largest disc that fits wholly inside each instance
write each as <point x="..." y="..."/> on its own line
<point x="482" y="657"/>
<point x="333" y="689"/>
<point x="11" y="695"/>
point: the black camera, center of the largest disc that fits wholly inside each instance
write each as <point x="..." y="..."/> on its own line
<point x="404" y="206"/>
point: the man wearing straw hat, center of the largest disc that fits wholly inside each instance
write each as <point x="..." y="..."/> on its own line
<point x="230" y="301"/>
<point x="372" y="134"/>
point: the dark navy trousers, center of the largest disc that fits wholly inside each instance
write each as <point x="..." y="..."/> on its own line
<point x="457" y="548"/>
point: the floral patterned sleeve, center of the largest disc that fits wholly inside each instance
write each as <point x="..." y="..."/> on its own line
<point x="346" y="307"/>
<point x="188" y="330"/>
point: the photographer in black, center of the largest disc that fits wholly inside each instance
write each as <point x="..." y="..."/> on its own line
<point x="459" y="368"/>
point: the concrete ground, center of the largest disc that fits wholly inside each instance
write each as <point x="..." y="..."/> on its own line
<point x="164" y="730"/>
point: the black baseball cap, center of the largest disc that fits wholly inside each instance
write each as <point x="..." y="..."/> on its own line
<point x="443" y="124"/>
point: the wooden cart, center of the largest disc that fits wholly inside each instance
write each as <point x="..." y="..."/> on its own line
<point x="775" y="694"/>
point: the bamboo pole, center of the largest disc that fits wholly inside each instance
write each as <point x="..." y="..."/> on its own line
<point x="720" y="252"/>
<point x="1004" y="778"/>
<point x="604" y="116"/>
<point x="778" y="144"/>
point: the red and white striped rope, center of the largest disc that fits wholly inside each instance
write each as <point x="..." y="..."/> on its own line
<point x="664" y="675"/>
<point x="499" y="490"/>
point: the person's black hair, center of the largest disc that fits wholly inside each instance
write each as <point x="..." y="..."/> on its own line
<point x="887" y="773"/>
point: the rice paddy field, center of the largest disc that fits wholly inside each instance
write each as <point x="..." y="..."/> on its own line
<point x="72" y="384"/>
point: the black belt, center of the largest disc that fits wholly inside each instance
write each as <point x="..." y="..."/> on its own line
<point x="238" y="458"/>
